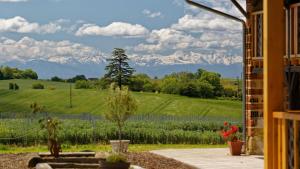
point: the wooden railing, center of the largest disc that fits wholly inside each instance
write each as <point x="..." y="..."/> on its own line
<point x="257" y="34"/>
<point x="286" y="146"/>
<point x="294" y="14"/>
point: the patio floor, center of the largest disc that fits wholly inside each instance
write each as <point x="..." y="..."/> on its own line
<point x="215" y="158"/>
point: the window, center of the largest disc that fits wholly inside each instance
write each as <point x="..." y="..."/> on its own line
<point x="257" y="27"/>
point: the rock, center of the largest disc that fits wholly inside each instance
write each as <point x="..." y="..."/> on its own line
<point x="43" y="166"/>
<point x="135" y="167"/>
<point x="34" y="161"/>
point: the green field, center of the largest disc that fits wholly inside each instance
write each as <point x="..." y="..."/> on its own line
<point x="105" y="148"/>
<point x="161" y="118"/>
<point x="55" y="98"/>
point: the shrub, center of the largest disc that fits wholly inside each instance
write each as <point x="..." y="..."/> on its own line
<point x="121" y="106"/>
<point x="38" y="86"/>
<point x="189" y="89"/>
<point x="205" y="89"/>
<point x="16" y="87"/>
<point x="56" y="79"/>
<point x="15" y="73"/>
<point x="104" y="83"/>
<point x="76" y="78"/>
<point x="116" y="158"/>
<point x="29" y="74"/>
<point x="83" y="84"/>
<point x="52" y="88"/>
<point x="3" y="147"/>
<point x="11" y="86"/>
<point x="170" y="85"/>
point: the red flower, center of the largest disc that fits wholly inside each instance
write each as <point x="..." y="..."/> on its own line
<point x="234" y="129"/>
<point x="229" y="132"/>
<point x="226" y="134"/>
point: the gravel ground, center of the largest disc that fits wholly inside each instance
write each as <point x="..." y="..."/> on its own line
<point x="15" y="161"/>
<point x="144" y="159"/>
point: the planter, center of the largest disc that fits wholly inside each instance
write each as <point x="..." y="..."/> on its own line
<point x="119" y="147"/>
<point x="235" y="147"/>
<point x="119" y="165"/>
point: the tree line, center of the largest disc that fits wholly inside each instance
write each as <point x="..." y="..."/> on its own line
<point x="7" y="72"/>
<point x="202" y="83"/>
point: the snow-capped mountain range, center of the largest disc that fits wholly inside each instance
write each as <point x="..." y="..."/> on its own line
<point x="66" y="59"/>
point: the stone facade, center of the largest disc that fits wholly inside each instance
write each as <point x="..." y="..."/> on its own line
<point x="254" y="71"/>
<point x="254" y="78"/>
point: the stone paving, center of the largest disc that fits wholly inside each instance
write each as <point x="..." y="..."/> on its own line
<point x="213" y="158"/>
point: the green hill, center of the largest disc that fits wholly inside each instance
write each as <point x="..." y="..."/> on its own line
<point x="55" y="97"/>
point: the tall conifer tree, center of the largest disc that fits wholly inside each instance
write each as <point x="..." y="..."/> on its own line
<point x="118" y="69"/>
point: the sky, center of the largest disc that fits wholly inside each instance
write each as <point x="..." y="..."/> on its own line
<point x="162" y="32"/>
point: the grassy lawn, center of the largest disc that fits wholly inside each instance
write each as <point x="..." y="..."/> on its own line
<point x="93" y="101"/>
<point x="98" y="147"/>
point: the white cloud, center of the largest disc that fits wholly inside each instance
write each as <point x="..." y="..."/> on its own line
<point x="177" y="2"/>
<point x="197" y="37"/>
<point x="150" y="14"/>
<point x="206" y="22"/>
<point x="21" y="25"/>
<point x="114" y="29"/>
<point x="55" y="51"/>
<point x="165" y="38"/>
<point x="63" y="52"/>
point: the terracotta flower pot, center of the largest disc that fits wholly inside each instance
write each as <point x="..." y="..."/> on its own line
<point x="119" y="165"/>
<point x="235" y="147"/>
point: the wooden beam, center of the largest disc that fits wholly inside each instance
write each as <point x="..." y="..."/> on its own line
<point x="284" y="147"/>
<point x="287" y="115"/>
<point x="279" y="143"/>
<point x="273" y="46"/>
<point x="255" y="36"/>
<point x="89" y="160"/>
<point x="74" y="165"/>
<point x="70" y="154"/>
<point x="296" y="144"/>
<point x="295" y="37"/>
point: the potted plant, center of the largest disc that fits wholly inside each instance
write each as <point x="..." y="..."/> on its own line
<point x="230" y="134"/>
<point x="115" y="161"/>
<point x="52" y="126"/>
<point x="121" y="106"/>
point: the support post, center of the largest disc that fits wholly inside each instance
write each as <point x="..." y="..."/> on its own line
<point x="273" y="46"/>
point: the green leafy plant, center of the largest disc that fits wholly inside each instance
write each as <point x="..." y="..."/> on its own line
<point x="35" y="108"/>
<point x="230" y="132"/>
<point x="139" y="132"/>
<point x="38" y="86"/>
<point x="116" y="158"/>
<point x="83" y="84"/>
<point x="16" y="86"/>
<point x="51" y="125"/>
<point x="121" y="106"/>
<point x="13" y="86"/>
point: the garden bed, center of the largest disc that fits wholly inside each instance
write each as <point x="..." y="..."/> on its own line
<point x="144" y="159"/>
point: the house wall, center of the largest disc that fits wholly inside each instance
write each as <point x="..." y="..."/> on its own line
<point x="254" y="79"/>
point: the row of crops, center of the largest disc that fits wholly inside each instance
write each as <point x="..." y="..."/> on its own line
<point x="27" y="132"/>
